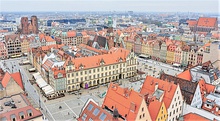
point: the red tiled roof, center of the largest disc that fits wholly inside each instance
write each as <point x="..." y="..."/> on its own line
<point x="3" y="31"/>
<point x="154" y="108"/>
<point x="124" y="100"/>
<point x="207" y="22"/>
<point x="6" y="79"/>
<point x="90" y="114"/>
<point x="191" y="23"/>
<point x="112" y="57"/>
<point x="185" y="75"/>
<point x="17" y="77"/>
<point x="71" y="34"/>
<point x="194" y="117"/>
<point x="168" y="88"/>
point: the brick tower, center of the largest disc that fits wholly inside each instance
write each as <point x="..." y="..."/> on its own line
<point x="34" y="23"/>
<point x="24" y="25"/>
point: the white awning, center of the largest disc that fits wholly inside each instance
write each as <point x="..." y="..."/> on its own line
<point x="48" y="90"/>
<point x="176" y="64"/>
<point x="37" y="75"/>
<point x="41" y="83"/>
<point x="145" y="56"/>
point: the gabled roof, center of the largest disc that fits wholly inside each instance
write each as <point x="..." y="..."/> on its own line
<point x="207" y="22"/>
<point x="5" y="79"/>
<point x="124" y="100"/>
<point x="154" y="108"/>
<point x="206" y="88"/>
<point x="185" y="75"/>
<point x="168" y="88"/>
<point x="188" y="88"/>
<point x="17" y="77"/>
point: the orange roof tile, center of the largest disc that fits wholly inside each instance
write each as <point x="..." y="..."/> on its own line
<point x="206" y="45"/>
<point x="3" y="31"/>
<point x="207" y="22"/>
<point x="194" y="117"/>
<point x="191" y="23"/>
<point x="6" y="79"/>
<point x="154" y="108"/>
<point x="112" y="57"/>
<point x="71" y="34"/>
<point x="185" y="75"/>
<point x="168" y="88"/>
<point x="123" y="99"/>
<point x="17" y="77"/>
<point x="49" y="39"/>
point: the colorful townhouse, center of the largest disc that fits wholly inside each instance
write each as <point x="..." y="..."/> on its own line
<point x="129" y="103"/>
<point x="3" y="51"/>
<point x="163" y="91"/>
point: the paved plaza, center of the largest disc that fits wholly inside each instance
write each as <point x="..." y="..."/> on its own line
<point x="70" y="108"/>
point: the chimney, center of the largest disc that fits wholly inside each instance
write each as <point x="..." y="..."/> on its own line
<point x="156" y="86"/>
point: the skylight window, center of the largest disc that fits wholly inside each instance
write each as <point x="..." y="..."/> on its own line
<point x="84" y="117"/>
<point x="102" y="116"/>
<point x="96" y="112"/>
<point x="90" y="107"/>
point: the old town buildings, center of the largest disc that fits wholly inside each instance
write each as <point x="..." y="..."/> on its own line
<point x="13" y="44"/>
<point x="69" y="70"/>
<point x="165" y="92"/>
<point x="3" y="51"/>
<point x="117" y="64"/>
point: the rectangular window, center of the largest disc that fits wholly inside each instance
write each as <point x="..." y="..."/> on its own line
<point x="85" y="72"/>
<point x="84" y="117"/>
<point x="96" y="112"/>
<point x="102" y="116"/>
<point x="72" y="74"/>
<point x="90" y="107"/>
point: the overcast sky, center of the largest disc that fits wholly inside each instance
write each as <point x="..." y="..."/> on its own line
<point x="111" y="5"/>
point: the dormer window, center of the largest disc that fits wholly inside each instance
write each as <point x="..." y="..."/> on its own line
<point x="29" y="112"/>
<point x="120" y="60"/>
<point x="13" y="117"/>
<point x="102" y="62"/>
<point x="81" y="66"/>
<point x="21" y="115"/>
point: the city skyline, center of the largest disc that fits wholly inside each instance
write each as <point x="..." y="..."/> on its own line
<point x="201" y="6"/>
